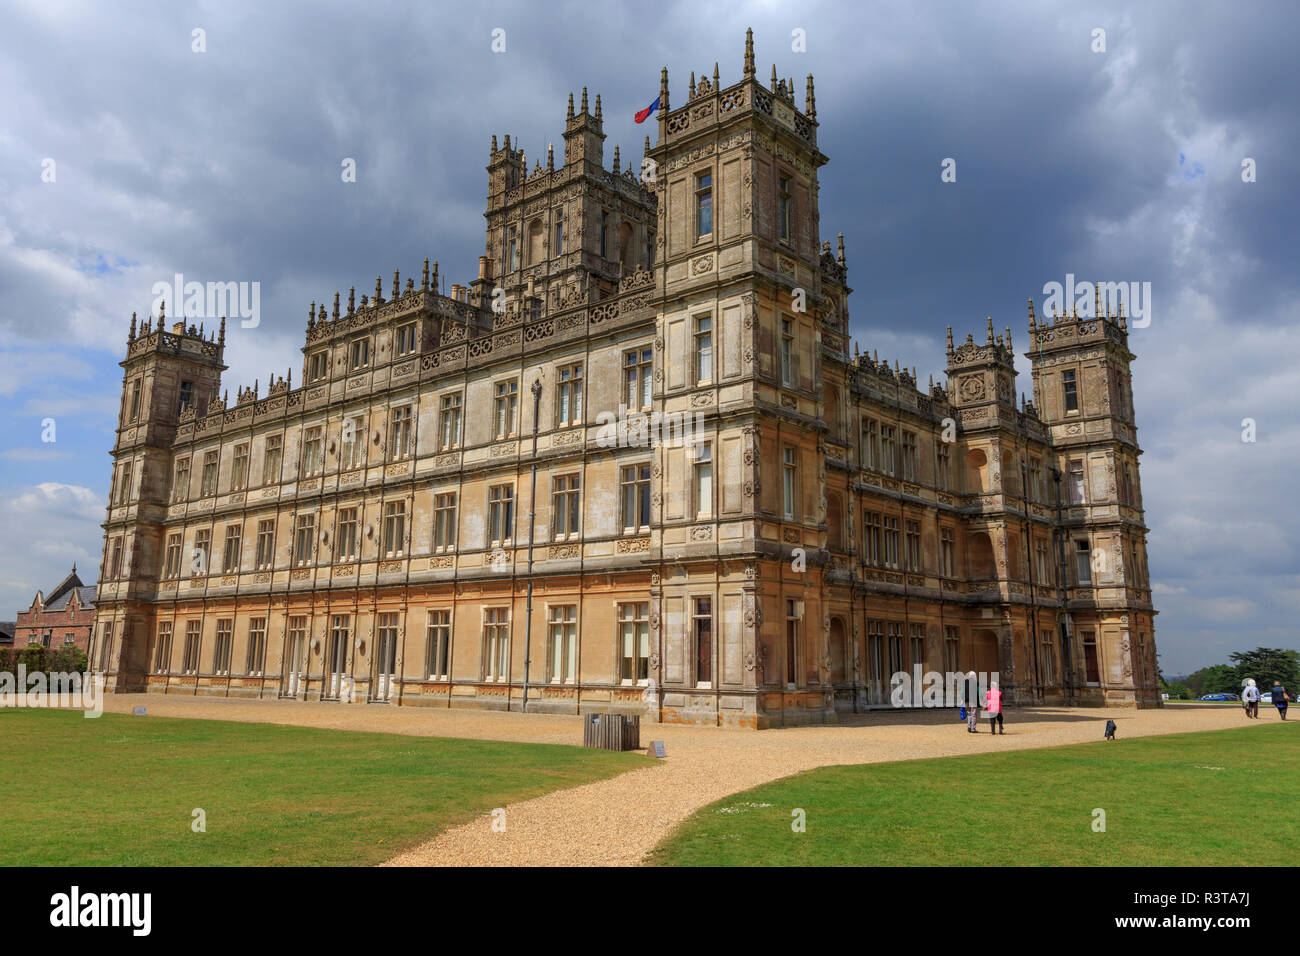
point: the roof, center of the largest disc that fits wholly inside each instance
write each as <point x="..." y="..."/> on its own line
<point x="62" y="589"/>
<point x="7" y="629"/>
<point x="85" y="598"/>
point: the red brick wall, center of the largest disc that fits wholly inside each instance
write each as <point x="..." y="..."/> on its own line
<point x="32" y="625"/>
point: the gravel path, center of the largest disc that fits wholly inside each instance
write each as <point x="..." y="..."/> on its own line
<point x="616" y="822"/>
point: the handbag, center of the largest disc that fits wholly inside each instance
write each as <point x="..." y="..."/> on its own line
<point x="961" y="713"/>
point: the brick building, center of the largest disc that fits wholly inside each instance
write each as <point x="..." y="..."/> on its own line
<point x="644" y="420"/>
<point x="63" y="618"/>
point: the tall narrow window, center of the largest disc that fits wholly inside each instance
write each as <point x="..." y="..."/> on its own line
<point x="704" y="349"/>
<point x="1042" y="566"/>
<point x="271" y="459"/>
<point x="354" y="442"/>
<point x="604" y="232"/>
<point x="943" y="465"/>
<point x="916" y="644"/>
<point x="703" y="205"/>
<point x="634" y="643"/>
<point x="304" y="542"/>
<point x="635" y="483"/>
<point x="501" y="513"/>
<point x="199" y="559"/>
<point x="318" y="366"/>
<point x="703" y="479"/>
<point x="888" y="450"/>
<point x="702" y="627"/>
<point x="313" y="451"/>
<point x="911" y="457"/>
<point x="255" y="664"/>
<point x="358" y="354"/>
<point x="172" y="562"/>
<point x="559" y="232"/>
<point x="512" y="248"/>
<point x="1071" y="388"/>
<point x="565" y="506"/>
<point x="891" y="541"/>
<point x="789" y="482"/>
<point x="793" y="616"/>
<point x="181" y="483"/>
<point x="951" y="648"/>
<point x="444" y="522"/>
<point x="439" y="644"/>
<point x="190" y="655"/>
<point x="569" y="398"/>
<point x="221" y="649"/>
<point x="265" y="544"/>
<point x="163" y="651"/>
<point x="870" y="445"/>
<point x="115" y="563"/>
<point x="135" y="401"/>
<point x="449" y="423"/>
<point x="562" y="641"/>
<point x="783" y="206"/>
<point x="787" y="353"/>
<point x="405" y="339"/>
<point x="230" y="551"/>
<point x="349" y="537"/>
<point x="186" y="395"/>
<point x="913" y="532"/>
<point x="1083" y="561"/>
<point x="637" y="368"/>
<point x="496" y="639"/>
<point x="399" y="433"/>
<point x="871" y="552"/>
<point x="947" y="551"/>
<point x="209" y="480"/>
<point x="506" y="408"/>
<point x="1077" y="494"/>
<point x="239" y="468"/>
<point x="394" y="528"/>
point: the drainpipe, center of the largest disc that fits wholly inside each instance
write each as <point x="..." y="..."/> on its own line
<point x="532" y="514"/>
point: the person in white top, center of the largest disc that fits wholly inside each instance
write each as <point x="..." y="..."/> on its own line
<point x="1250" y="698"/>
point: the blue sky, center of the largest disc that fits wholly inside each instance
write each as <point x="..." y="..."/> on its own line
<point x="1123" y="165"/>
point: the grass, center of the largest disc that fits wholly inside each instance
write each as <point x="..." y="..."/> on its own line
<point x="120" y="790"/>
<point x="1198" y="799"/>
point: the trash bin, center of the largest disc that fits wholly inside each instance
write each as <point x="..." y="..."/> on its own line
<point x="612" y="731"/>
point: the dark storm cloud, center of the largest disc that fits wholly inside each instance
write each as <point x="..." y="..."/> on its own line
<point x="225" y="165"/>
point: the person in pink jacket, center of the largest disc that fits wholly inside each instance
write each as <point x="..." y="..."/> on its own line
<point x="993" y="707"/>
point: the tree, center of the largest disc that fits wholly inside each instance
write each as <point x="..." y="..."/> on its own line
<point x="1268" y="664"/>
<point x="1215" y="679"/>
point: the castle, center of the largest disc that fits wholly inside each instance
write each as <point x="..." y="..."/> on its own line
<point x="438" y="516"/>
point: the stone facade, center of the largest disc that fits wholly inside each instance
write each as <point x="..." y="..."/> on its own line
<point x="734" y="522"/>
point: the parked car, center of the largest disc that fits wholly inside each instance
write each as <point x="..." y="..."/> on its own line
<point x="1219" y="697"/>
<point x="1266" y="698"/>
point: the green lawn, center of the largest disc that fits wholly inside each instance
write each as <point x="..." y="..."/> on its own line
<point x="1206" y="799"/>
<point x="119" y="790"/>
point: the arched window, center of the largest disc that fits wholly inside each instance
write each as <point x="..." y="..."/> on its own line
<point x="976" y="471"/>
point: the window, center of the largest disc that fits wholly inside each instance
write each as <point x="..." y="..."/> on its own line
<point x="793" y="615"/>
<point x="783" y="206"/>
<point x="1083" y="561"/>
<point x="787" y="353"/>
<point x="358" y="354"/>
<point x="255" y="665"/>
<point x="916" y="644"/>
<point x="951" y="647"/>
<point x="559" y="232"/>
<point x="313" y="451"/>
<point x="304" y="540"/>
<point x="943" y="466"/>
<point x="512" y="248"/>
<point x="318" y="366"/>
<point x="354" y="443"/>
<point x="172" y="562"/>
<point x="349" y="535"/>
<point x="604" y="232"/>
<point x="208" y="484"/>
<point x="637" y="369"/>
<point x="124" y="484"/>
<point x="394" y="528"/>
<point x="1071" y="388"/>
<point x="870" y="445"/>
<point x="910" y="456"/>
<point x="947" y="552"/>
<point x="703" y="204"/>
<point x="106" y="651"/>
<point x="1077" y="494"/>
<point x="704" y="349"/>
<point x="444" y="522"/>
<point x="1048" y="657"/>
<point x="449" y="421"/>
<point x="1034" y="491"/>
<point x="789" y="482"/>
<point x="115" y="563"/>
<point x="568" y="402"/>
<point x="506" y="408"/>
<point x="1041" y="566"/>
<point x="912" y="529"/>
<point x="888" y="450"/>
<point x="894" y="640"/>
<point x="190" y="655"/>
<point x="163" y="651"/>
<point x="635" y="484"/>
<point x="496" y="637"/>
<point x="405" y="339"/>
<point x="1091" y="665"/>
<point x="186" y="396"/>
<point x="439" y="643"/>
<point x="634" y="643"/>
<point x="501" y="513"/>
<point x="135" y="401"/>
<point x="221" y="649"/>
<point x="271" y="459"/>
<point x="202" y="552"/>
<point x="230" y="552"/>
<point x="703" y="478"/>
<point x="265" y="543"/>
<point x="562" y="643"/>
<point x="891" y="541"/>
<point x="181" y="483"/>
<point x="565" y="513"/>
<point x="702" y="631"/>
<point x="399" y="433"/>
<point x="871" y="550"/>
<point x="239" y="468"/>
